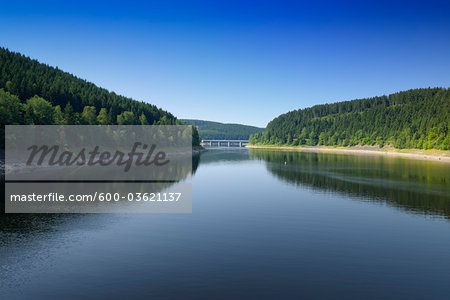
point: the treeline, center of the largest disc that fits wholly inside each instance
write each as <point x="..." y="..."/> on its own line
<point x="35" y="93"/>
<point x="416" y="118"/>
<point x="218" y="131"/>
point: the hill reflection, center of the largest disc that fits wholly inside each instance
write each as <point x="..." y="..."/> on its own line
<point x="414" y="186"/>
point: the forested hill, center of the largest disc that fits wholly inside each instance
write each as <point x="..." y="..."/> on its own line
<point x="35" y="93"/>
<point x="216" y="130"/>
<point x="411" y="119"/>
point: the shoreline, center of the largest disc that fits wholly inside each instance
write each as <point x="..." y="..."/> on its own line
<point x="432" y="155"/>
<point x="198" y="150"/>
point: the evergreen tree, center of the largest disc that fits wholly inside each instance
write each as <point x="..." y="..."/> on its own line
<point x="69" y="115"/>
<point x="25" y="78"/>
<point x="58" y="117"/>
<point x="410" y="119"/>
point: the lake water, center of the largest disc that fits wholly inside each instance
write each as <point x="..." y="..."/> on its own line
<point x="265" y="224"/>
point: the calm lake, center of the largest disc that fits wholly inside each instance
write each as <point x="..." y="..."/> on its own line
<point x="265" y="224"/>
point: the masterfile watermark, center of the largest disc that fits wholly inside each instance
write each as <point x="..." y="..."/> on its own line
<point x="92" y="153"/>
<point x="98" y="197"/>
<point x="98" y="169"/>
<point x="94" y="157"/>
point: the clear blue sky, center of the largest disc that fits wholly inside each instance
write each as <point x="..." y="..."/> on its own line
<point x="237" y="61"/>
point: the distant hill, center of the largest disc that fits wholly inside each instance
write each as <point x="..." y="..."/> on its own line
<point x="417" y="118"/>
<point x="216" y="130"/>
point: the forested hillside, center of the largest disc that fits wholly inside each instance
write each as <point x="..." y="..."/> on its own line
<point x="217" y="131"/>
<point x="411" y="119"/>
<point x="35" y="93"/>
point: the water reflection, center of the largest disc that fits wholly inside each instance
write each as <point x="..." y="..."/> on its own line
<point x="13" y="225"/>
<point x="224" y="155"/>
<point x="245" y="241"/>
<point x="413" y="185"/>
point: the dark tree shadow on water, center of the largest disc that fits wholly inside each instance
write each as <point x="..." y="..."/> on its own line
<point x="414" y="186"/>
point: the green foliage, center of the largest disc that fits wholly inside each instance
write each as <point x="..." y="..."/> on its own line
<point x="143" y="120"/>
<point x="26" y="78"/>
<point x="38" y="111"/>
<point x="69" y="115"/>
<point x="34" y="93"/>
<point x="411" y="119"/>
<point x="164" y="121"/>
<point x="58" y="117"/>
<point x="126" y="118"/>
<point x="216" y="130"/>
<point x="195" y="136"/>
<point x="89" y="115"/>
<point x="10" y="109"/>
<point x="103" y="117"/>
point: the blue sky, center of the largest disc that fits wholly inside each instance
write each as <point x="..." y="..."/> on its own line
<point x="237" y="61"/>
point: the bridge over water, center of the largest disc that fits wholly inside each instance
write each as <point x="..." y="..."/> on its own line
<point x="227" y="143"/>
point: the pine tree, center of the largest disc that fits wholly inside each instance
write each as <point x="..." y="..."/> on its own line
<point x="69" y="115"/>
